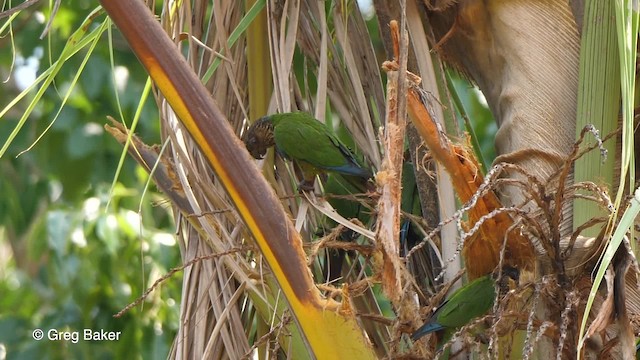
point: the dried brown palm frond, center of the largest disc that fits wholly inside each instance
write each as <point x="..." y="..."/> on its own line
<point x="222" y="297"/>
<point x="214" y="312"/>
<point x="340" y="59"/>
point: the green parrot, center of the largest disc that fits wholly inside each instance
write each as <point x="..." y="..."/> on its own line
<point x="300" y="137"/>
<point x="465" y="304"/>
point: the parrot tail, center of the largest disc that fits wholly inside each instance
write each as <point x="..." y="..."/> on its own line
<point x="425" y="329"/>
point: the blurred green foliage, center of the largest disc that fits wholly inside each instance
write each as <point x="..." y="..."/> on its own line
<point x="68" y="263"/>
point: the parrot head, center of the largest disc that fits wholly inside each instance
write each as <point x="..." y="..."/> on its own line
<point x="507" y="271"/>
<point x="259" y="137"/>
<point x="506" y="278"/>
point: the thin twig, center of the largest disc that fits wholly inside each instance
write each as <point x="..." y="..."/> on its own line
<point x="173" y="271"/>
<point x="17" y="8"/>
<point x="286" y="319"/>
<point x="54" y="11"/>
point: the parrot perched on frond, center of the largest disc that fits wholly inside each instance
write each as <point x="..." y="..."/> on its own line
<point x="298" y="136"/>
<point x="465" y="304"/>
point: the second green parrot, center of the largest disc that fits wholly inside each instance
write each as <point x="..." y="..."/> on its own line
<point x="300" y="137"/>
<point x="465" y="304"/>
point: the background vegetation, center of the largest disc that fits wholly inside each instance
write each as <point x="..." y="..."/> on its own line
<point x="67" y="261"/>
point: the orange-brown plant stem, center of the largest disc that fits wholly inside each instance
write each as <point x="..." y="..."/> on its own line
<point x="481" y="251"/>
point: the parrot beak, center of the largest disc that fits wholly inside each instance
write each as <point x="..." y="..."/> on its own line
<point x="258" y="153"/>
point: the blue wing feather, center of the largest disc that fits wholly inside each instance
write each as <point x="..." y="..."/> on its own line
<point x="352" y="170"/>
<point x="425" y="329"/>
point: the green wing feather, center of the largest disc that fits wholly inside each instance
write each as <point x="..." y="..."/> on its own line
<point x="467" y="303"/>
<point x="300" y="137"/>
<point x="470" y="301"/>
